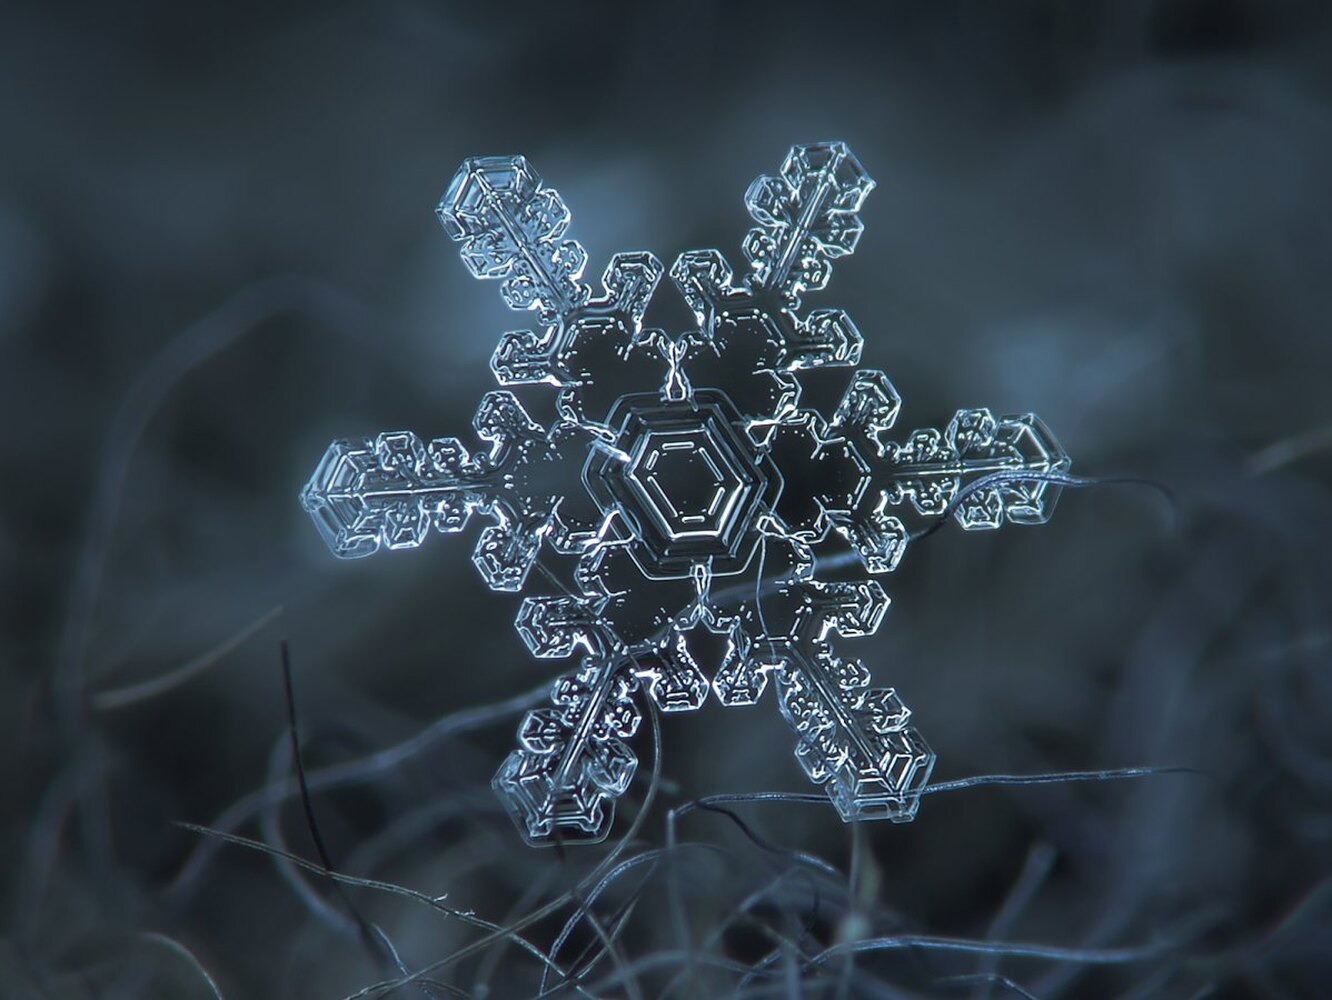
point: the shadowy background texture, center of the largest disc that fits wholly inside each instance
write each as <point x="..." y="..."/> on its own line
<point x="218" y="252"/>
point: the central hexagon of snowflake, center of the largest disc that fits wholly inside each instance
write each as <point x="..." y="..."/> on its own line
<point x="688" y="483"/>
<point x="682" y="483"/>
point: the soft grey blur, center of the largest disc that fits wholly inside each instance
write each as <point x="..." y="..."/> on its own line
<point x="217" y="252"/>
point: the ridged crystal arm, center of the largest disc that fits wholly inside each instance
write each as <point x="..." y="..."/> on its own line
<point x="391" y="490"/>
<point x="807" y="217"/>
<point x="931" y="467"/>
<point x="509" y="226"/>
<point x="854" y="739"/>
<point x="572" y="763"/>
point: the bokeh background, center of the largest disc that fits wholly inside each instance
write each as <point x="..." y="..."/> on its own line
<point x="217" y="252"/>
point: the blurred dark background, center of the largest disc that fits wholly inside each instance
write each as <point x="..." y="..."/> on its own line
<point x="217" y="252"/>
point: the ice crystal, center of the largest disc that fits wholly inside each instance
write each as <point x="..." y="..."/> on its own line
<point x="685" y="491"/>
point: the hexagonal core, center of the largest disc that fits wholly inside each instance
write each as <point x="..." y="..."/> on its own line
<point x="686" y="482"/>
<point x="690" y="487"/>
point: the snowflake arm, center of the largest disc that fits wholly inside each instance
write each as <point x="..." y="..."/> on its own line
<point x="853" y="739"/>
<point x="509" y="226"/>
<point x="932" y="466"/>
<point x="807" y="217"/>
<point x="997" y="465"/>
<point x="572" y="763"/>
<point x="390" y="492"/>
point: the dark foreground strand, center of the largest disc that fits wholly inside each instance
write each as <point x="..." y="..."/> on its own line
<point x="729" y="596"/>
<point x="132" y="694"/>
<point x="583" y="903"/>
<point x="1014" y="949"/>
<point x="711" y="802"/>
<point x="583" y="909"/>
<point x="171" y="944"/>
<point x="374" y="938"/>
<point x="511" y="931"/>
<point x="433" y="902"/>
<point x="988" y="980"/>
<point x="196" y="345"/>
<point x="1057" y="777"/>
<point x="1035" y="869"/>
<point x="607" y="939"/>
<point x="1055" y="478"/>
<point x="349" y="772"/>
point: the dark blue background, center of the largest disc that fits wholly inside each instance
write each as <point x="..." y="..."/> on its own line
<point x="217" y="251"/>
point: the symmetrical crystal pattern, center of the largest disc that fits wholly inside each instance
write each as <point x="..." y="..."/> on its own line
<point x="680" y="498"/>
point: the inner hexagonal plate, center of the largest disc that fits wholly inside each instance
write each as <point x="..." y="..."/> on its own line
<point x="685" y="481"/>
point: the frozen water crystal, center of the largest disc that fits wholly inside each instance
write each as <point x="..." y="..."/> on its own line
<point x="683" y="493"/>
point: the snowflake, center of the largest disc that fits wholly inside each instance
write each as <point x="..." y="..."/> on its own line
<point x="685" y="495"/>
